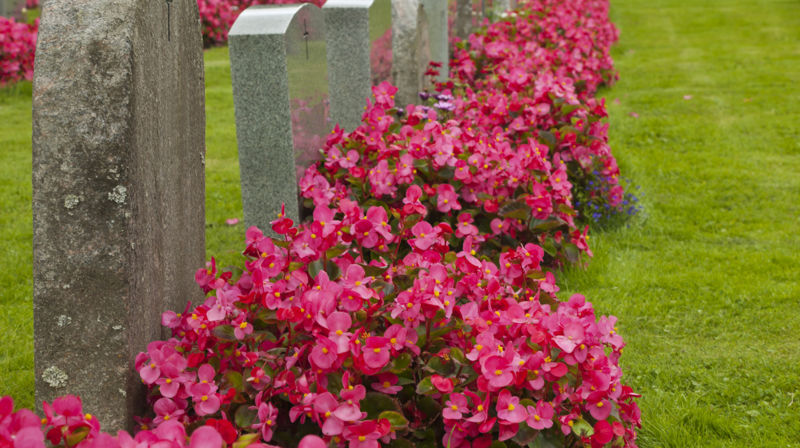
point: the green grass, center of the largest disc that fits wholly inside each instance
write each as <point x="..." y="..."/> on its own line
<point x="705" y="282"/>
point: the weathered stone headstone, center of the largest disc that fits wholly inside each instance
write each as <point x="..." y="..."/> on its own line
<point x="410" y="49"/>
<point x="10" y="8"/>
<point x="118" y="192"/>
<point x="436" y="13"/>
<point x="359" y="35"/>
<point x="280" y="94"/>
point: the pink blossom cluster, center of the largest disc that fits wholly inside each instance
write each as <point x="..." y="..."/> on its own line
<point x="66" y="425"/>
<point x="533" y="75"/>
<point x="475" y="179"/>
<point x="17" y="47"/>
<point x="217" y="16"/>
<point x="329" y="330"/>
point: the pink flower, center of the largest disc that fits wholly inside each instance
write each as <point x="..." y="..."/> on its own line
<point x="509" y="409"/>
<point x="205" y="399"/>
<point x="324" y="354"/>
<point x="205" y="437"/>
<point x="455" y="406"/>
<point x="425" y="235"/>
<point x="387" y="384"/>
<point x="541" y="416"/>
<point x="377" y="352"/>
<point x="447" y="199"/>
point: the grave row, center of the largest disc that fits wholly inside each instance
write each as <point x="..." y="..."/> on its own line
<point x="119" y="155"/>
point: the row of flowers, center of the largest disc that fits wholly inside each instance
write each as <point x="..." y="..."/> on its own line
<point x="17" y="45"/>
<point x="415" y="305"/>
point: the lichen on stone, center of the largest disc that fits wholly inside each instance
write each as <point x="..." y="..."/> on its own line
<point x="55" y="377"/>
<point x="119" y="194"/>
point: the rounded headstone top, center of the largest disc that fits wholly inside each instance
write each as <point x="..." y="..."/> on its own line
<point x="348" y="4"/>
<point x="268" y="19"/>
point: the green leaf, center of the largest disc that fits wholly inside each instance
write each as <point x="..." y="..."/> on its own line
<point x="439" y="365"/>
<point x="498" y="444"/>
<point x="582" y="428"/>
<point x="425" y="386"/>
<point x="535" y="275"/>
<point x="234" y="378"/>
<point x="401" y="443"/>
<point x="430" y="407"/>
<point x="568" y="108"/>
<point x="244" y="416"/>
<point x="450" y="257"/>
<point x="224" y="332"/>
<point x="546" y="440"/>
<point x="548" y="138"/>
<point x="335" y="251"/>
<point x="77" y="435"/>
<point x="525" y="434"/>
<point x="373" y="271"/>
<point x="401" y="363"/>
<point x="541" y="226"/>
<point x="245" y="440"/>
<point x="375" y="403"/>
<point x="515" y="210"/>
<point x="398" y="421"/>
<point x="458" y="355"/>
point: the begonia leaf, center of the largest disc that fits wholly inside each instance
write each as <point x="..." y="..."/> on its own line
<point x="244" y="416"/>
<point x="235" y="380"/>
<point x="77" y="435"/>
<point x="439" y="365"/>
<point x="375" y="403"/>
<point x="401" y="363"/>
<point x="401" y="443"/>
<point x="525" y="434"/>
<point x="458" y="355"/>
<point x="425" y="386"/>
<point x="246" y="440"/>
<point x="582" y="428"/>
<point x="224" y="332"/>
<point x="430" y="407"/>
<point x="398" y="421"/>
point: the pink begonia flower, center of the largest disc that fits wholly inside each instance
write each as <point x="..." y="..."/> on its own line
<point x="204" y="398"/>
<point x="425" y="235"/>
<point x="572" y="337"/>
<point x="540" y="416"/>
<point x="338" y="324"/>
<point x="232" y="221"/>
<point x="443" y="385"/>
<point x="497" y="372"/>
<point x="206" y="437"/>
<point x="377" y="352"/>
<point x="241" y="327"/>
<point x="267" y="419"/>
<point x="509" y="409"/>
<point x="349" y="410"/>
<point x="324" y="354"/>
<point x="167" y="409"/>
<point x="598" y="407"/>
<point x="603" y="433"/>
<point x="387" y="384"/>
<point x="311" y="441"/>
<point x="447" y="199"/>
<point x="363" y="435"/>
<point x="455" y="406"/>
<point x="324" y="405"/>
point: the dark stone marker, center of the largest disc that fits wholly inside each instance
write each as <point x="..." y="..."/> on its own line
<point x="280" y="94"/>
<point x="359" y="34"/>
<point x="118" y="192"/>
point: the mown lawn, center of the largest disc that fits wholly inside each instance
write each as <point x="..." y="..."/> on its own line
<point x="705" y="282"/>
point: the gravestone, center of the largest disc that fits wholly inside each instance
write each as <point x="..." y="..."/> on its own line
<point x="410" y="49"/>
<point x="118" y="192"/>
<point x="436" y="14"/>
<point x="280" y="94"/>
<point x="11" y="8"/>
<point x="359" y="36"/>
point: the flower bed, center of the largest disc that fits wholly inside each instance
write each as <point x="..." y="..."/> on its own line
<point x="416" y="305"/>
<point x="17" y="46"/>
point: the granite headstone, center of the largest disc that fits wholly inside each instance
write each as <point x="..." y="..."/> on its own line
<point x="410" y="49"/>
<point x="359" y="35"/>
<point x="280" y="92"/>
<point x="118" y="192"/>
<point x="436" y="14"/>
